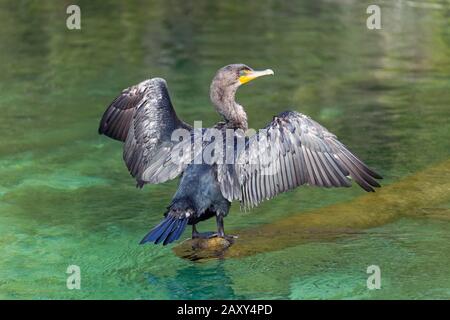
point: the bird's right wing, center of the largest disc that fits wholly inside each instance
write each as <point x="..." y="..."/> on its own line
<point x="118" y="116"/>
<point x="144" y="118"/>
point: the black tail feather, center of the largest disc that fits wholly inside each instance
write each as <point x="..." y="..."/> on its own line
<point x="167" y="231"/>
<point x="176" y="232"/>
<point x="170" y="227"/>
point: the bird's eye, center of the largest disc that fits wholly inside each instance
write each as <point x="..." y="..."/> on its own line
<point x="243" y="72"/>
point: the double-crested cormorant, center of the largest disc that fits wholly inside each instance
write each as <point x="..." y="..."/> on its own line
<point x="298" y="150"/>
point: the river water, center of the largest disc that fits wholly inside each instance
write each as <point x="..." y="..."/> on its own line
<point x="66" y="197"/>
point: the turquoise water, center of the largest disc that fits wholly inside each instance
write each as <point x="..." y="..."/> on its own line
<point x="66" y="197"/>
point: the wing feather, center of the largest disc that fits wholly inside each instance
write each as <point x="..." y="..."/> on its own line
<point x="143" y="117"/>
<point x="300" y="151"/>
<point x="116" y="120"/>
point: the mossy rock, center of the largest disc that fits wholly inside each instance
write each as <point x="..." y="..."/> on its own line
<point x="196" y="249"/>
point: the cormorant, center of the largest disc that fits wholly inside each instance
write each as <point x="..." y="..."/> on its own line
<point x="301" y="150"/>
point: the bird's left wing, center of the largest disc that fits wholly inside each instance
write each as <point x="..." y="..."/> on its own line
<point x="292" y="150"/>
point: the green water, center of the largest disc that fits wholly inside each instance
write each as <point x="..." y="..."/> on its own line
<point x="67" y="198"/>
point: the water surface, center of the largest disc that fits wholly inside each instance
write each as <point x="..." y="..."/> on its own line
<point x="67" y="198"/>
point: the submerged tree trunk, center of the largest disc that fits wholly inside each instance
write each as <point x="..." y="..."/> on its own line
<point x="408" y="197"/>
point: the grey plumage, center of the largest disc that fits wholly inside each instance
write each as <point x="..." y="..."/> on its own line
<point x="307" y="153"/>
<point x="144" y="118"/>
<point x="291" y="151"/>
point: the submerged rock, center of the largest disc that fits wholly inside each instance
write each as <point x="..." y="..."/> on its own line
<point x="201" y="249"/>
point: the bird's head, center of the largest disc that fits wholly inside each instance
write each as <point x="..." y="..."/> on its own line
<point x="223" y="89"/>
<point x="235" y="75"/>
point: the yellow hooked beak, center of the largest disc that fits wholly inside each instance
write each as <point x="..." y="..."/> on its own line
<point x="250" y="75"/>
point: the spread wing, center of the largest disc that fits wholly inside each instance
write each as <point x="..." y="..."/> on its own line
<point x="292" y="150"/>
<point x="144" y="118"/>
<point x="117" y="118"/>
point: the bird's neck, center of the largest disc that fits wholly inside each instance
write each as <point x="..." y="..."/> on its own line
<point x="224" y="101"/>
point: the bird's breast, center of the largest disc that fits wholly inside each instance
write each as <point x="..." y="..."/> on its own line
<point x="199" y="184"/>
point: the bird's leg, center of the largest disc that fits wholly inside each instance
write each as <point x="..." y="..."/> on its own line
<point x="194" y="231"/>
<point x="221" y="230"/>
<point x="208" y="235"/>
<point x="220" y="227"/>
<point x="202" y="235"/>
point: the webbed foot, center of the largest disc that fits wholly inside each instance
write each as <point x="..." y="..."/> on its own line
<point x="204" y="235"/>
